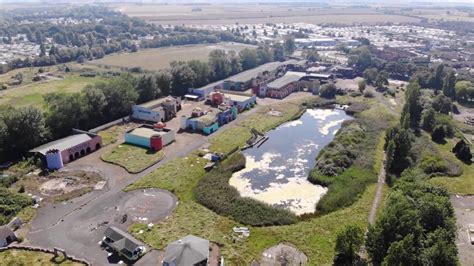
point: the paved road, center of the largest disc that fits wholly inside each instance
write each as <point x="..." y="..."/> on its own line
<point x="78" y="225"/>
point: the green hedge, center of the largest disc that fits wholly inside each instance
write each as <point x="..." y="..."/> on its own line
<point x="214" y="192"/>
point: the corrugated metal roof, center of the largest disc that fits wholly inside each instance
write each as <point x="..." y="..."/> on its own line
<point x="288" y="78"/>
<point x="62" y="144"/>
<point x="253" y="73"/>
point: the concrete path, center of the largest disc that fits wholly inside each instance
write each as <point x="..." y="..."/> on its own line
<point x="378" y="193"/>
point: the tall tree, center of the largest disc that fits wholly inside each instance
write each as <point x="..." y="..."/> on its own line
<point x="234" y="61"/>
<point x="348" y="244"/>
<point x="65" y="112"/>
<point x="147" y="89"/>
<point x="437" y="78"/>
<point x="449" y="84"/>
<point x="202" y="70"/>
<point x="264" y="55"/>
<point x="289" y="45"/>
<point x="412" y="106"/>
<point x="278" y="52"/>
<point x="20" y="130"/>
<point x="183" y="78"/>
<point x="163" y="81"/>
<point x="429" y="120"/>
<point x="219" y="64"/>
<point x="248" y="58"/>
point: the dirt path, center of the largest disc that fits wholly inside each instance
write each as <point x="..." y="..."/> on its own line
<point x="378" y="193"/>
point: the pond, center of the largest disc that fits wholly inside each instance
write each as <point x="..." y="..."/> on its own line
<point x="277" y="171"/>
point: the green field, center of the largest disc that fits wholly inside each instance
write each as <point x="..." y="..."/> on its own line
<point x="160" y="58"/>
<point x="133" y="158"/>
<point x="31" y="94"/>
<point x="255" y="13"/>
<point x="26" y="258"/>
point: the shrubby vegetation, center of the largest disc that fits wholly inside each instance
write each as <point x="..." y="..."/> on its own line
<point x="345" y="165"/>
<point x="214" y="192"/>
<point x="417" y="226"/>
<point x="11" y="203"/>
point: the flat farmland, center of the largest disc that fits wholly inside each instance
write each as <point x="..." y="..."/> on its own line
<point x="255" y="13"/>
<point x="160" y="58"/>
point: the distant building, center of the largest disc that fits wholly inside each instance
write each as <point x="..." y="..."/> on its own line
<point x="188" y="251"/>
<point x="59" y="152"/>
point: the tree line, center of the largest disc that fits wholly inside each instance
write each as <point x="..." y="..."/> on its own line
<point x="95" y="32"/>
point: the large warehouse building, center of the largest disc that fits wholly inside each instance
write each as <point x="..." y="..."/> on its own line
<point x="62" y="151"/>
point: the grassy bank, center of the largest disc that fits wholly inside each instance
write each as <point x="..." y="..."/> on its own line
<point x="23" y="257"/>
<point x="353" y="159"/>
<point x="462" y="184"/>
<point x="133" y="158"/>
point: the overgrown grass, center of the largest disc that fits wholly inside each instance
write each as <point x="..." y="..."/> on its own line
<point x="263" y="121"/>
<point x="353" y="159"/>
<point x="463" y="184"/>
<point x="230" y="138"/>
<point x="133" y="158"/>
<point x="178" y="176"/>
<point x="11" y="203"/>
<point x="26" y="258"/>
<point x="214" y="192"/>
<point x="114" y="133"/>
<point x="315" y="237"/>
<point x="32" y="94"/>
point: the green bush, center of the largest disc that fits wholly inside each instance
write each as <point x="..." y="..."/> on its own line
<point x="344" y="189"/>
<point x="433" y="164"/>
<point x="214" y="192"/>
<point x="11" y="203"/>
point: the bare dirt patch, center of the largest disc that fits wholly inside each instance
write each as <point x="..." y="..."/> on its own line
<point x="60" y="186"/>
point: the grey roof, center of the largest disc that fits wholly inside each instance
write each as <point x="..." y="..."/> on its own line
<point x="62" y="144"/>
<point x="5" y="231"/>
<point x="122" y="240"/>
<point x="282" y="81"/>
<point x="187" y="251"/>
<point x="253" y="73"/>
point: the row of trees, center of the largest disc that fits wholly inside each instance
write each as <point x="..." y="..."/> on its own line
<point x="96" y="31"/>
